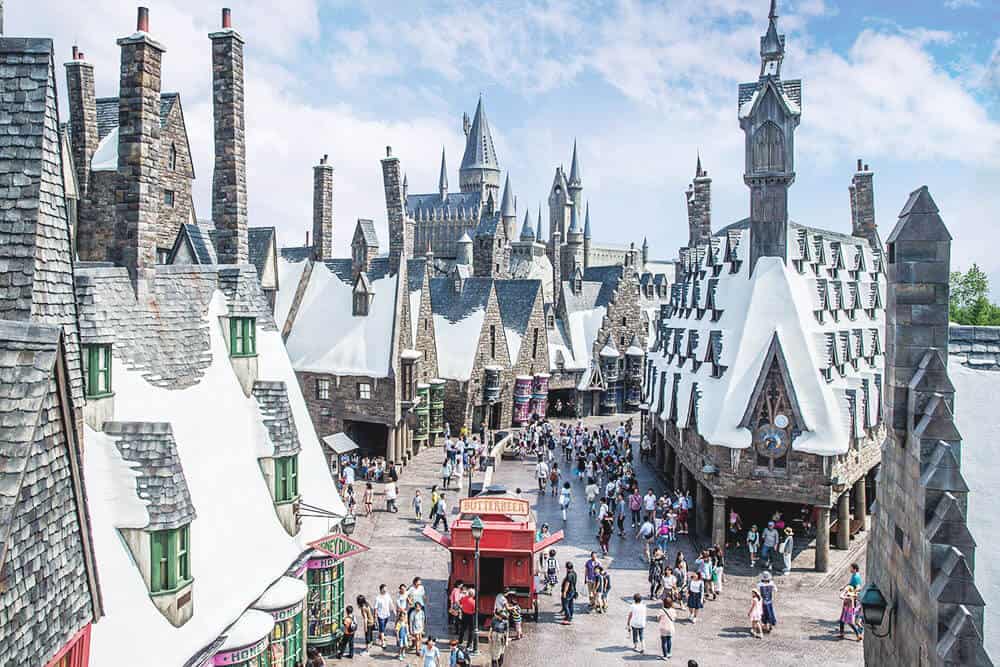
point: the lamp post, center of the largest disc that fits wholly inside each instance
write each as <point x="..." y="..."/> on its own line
<point x="643" y="412"/>
<point x="874" y="607"/>
<point x="477" y="534"/>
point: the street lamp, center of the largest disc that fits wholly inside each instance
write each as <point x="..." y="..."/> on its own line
<point x="469" y="468"/>
<point x="477" y="534"/>
<point x="643" y="411"/>
<point x="874" y="607"/>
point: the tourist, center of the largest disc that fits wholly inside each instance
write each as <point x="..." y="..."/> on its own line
<point x="646" y="533"/>
<point x="767" y="589"/>
<point x="402" y="602"/>
<point x="568" y="594"/>
<point x="417" y="623"/>
<point x="735" y="527"/>
<point x="350" y="626"/>
<point x="565" y="498"/>
<point x="603" y="589"/>
<point x="554" y="480"/>
<point x="430" y="653"/>
<point x="418" y="593"/>
<point x="368" y="621"/>
<point x="649" y="504"/>
<point x="368" y="499"/>
<point x="786" y="548"/>
<point x="551" y="572"/>
<point x="435" y="497"/>
<point x="590" y="578"/>
<point x="665" y="623"/>
<point x="468" y="625"/>
<point x="753" y="544"/>
<point x="668" y="589"/>
<point x="442" y="514"/>
<point x="855" y="580"/>
<point x="391" y="493"/>
<point x="590" y="491"/>
<point x="605" y="532"/>
<point x="454" y="609"/>
<point x="418" y="505"/>
<point x="636" y="622"/>
<point x="352" y="501"/>
<point x="635" y="506"/>
<point x="514" y="613"/>
<point x="769" y="542"/>
<point x="541" y="474"/>
<point x="349" y="474"/>
<point x="402" y="636"/>
<point x="696" y="596"/>
<point x="718" y="565"/>
<point x="383" y="610"/>
<point x="314" y="659"/>
<point x="498" y="641"/>
<point x="459" y="656"/>
<point x="445" y="473"/>
<point x="645" y="449"/>
<point x="849" y="612"/>
<point x="755" y="614"/>
<point x="657" y="564"/>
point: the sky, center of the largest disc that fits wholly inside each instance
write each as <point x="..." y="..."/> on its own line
<point x="912" y="87"/>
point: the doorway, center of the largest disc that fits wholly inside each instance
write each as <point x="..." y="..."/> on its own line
<point x="490" y="576"/>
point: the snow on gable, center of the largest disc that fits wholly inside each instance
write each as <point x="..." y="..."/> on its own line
<point x="238" y="545"/>
<point x="458" y="324"/>
<point x="327" y="338"/>
<point x="289" y="274"/>
<point x="777" y="300"/>
<point x="106" y="156"/>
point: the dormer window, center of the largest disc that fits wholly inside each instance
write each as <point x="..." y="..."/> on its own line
<point x="243" y="336"/>
<point x="170" y="564"/>
<point x="286" y="479"/>
<point x="97" y="370"/>
<point x="360" y="304"/>
<point x="550" y="321"/>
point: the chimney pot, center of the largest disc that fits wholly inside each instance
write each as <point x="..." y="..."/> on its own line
<point x="83" y="56"/>
<point x="859" y="164"/>
<point x="76" y="52"/>
<point x="866" y="167"/>
<point x="388" y="151"/>
<point x="307" y="239"/>
<point x="142" y="21"/>
<point x="227" y="18"/>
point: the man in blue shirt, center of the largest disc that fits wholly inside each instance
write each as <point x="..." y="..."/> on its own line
<point x="855" y="581"/>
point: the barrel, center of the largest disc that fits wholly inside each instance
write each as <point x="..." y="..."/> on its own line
<point x="491" y="384"/>
<point x="540" y="394"/>
<point x="437" y="406"/>
<point x="422" y="411"/>
<point x="522" y="399"/>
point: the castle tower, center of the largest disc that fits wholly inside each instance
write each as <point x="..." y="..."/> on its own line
<point x="573" y="257"/>
<point x="645" y="253"/>
<point x="464" y="246"/>
<point x="575" y="182"/>
<point x="862" y="193"/>
<point x="699" y="207"/>
<point x="538" y="226"/>
<point x="508" y="212"/>
<point x="586" y="238"/>
<point x="769" y="112"/>
<point x="560" y="204"/>
<point x="323" y="210"/>
<point x="480" y="170"/>
<point x="138" y="190"/>
<point x="442" y="179"/>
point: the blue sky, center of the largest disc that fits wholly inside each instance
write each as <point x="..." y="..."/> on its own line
<point x="911" y="87"/>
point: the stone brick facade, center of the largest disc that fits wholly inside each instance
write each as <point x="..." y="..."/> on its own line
<point x="322" y="228"/>
<point x="862" y="193"/>
<point x="82" y="117"/>
<point x="699" y="207"/>
<point x="176" y="175"/>
<point x="345" y="402"/>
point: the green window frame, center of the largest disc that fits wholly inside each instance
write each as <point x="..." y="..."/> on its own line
<point x="242" y="336"/>
<point x="97" y="370"/>
<point x="170" y="559"/>
<point x="287" y="644"/>
<point x="326" y="602"/>
<point x="286" y="478"/>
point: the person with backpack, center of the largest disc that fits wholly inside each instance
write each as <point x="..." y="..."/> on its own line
<point x="603" y="589"/>
<point x="459" y="655"/>
<point x="350" y="626"/>
<point x="568" y="594"/>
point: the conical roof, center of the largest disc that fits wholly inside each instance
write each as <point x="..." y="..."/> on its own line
<point x="575" y="175"/>
<point x="771" y="44"/>
<point x="526" y="233"/>
<point x="507" y="202"/>
<point x="586" y="223"/>
<point x="538" y="229"/>
<point x="443" y="178"/>
<point x="479" y="150"/>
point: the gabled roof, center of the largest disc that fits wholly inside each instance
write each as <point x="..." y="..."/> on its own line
<point x="366" y="230"/>
<point x="199" y="240"/>
<point x="260" y="241"/>
<point x="919" y="220"/>
<point x="516" y="299"/>
<point x="458" y="323"/>
<point x="479" y="150"/>
<point x="107" y="120"/>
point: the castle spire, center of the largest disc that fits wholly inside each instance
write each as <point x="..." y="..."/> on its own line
<point x="586" y="223"/>
<point x="507" y="203"/>
<point x="526" y="233"/>
<point x="538" y="224"/>
<point x="697" y="168"/>
<point x="443" y="178"/>
<point x="772" y="46"/>
<point x="575" y="175"/>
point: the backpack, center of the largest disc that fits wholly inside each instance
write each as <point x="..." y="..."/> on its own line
<point x="461" y="655"/>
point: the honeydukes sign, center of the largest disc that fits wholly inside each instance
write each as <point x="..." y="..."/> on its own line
<point x="495" y="505"/>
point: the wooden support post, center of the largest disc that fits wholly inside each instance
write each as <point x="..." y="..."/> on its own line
<point x="844" y="521"/>
<point x="822" y="538"/>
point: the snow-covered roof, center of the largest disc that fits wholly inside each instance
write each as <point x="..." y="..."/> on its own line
<point x="290" y="270"/>
<point x="327" y="338"/>
<point x="516" y="299"/>
<point x="340" y="443"/>
<point x="539" y="268"/>
<point x="831" y="347"/>
<point x="458" y="322"/>
<point x="172" y="366"/>
<point x="106" y="156"/>
<point x="283" y="593"/>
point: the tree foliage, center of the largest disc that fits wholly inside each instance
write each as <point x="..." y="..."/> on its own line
<point x="970" y="303"/>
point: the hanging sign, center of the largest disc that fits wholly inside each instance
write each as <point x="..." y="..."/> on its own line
<point x="495" y="505"/>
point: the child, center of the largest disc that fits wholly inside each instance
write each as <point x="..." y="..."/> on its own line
<point x="849" y="612"/>
<point x="755" y="613"/>
<point x="514" y="612"/>
<point x="603" y="589"/>
<point x="402" y="636"/>
<point x="551" y="572"/>
<point x="417" y="619"/>
<point x="418" y="506"/>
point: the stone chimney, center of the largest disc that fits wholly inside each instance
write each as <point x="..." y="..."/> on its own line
<point x="323" y="210"/>
<point x="229" y="180"/>
<point x="699" y="206"/>
<point x="82" y="116"/>
<point x="863" y="204"/>
<point x="400" y="234"/>
<point x="138" y="190"/>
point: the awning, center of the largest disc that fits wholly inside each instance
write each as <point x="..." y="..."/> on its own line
<point x="340" y="443"/>
<point x="548" y="541"/>
<point x="440" y="538"/>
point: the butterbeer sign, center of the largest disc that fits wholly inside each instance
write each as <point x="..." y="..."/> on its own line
<point x="495" y="505"/>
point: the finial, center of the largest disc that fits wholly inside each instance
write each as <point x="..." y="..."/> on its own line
<point x="773" y="14"/>
<point x="697" y="169"/>
<point x="388" y="151"/>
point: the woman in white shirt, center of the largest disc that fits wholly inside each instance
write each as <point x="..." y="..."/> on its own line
<point x="696" y="589"/>
<point x="636" y="622"/>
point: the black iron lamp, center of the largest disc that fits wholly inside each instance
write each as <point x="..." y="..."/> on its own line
<point x="875" y="608"/>
<point x="477" y="534"/>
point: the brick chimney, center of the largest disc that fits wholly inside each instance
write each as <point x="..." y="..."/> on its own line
<point x="862" y="193"/>
<point x="82" y="116"/>
<point x="323" y="210"/>
<point x="400" y="234"/>
<point x="229" y="180"/>
<point x="138" y="189"/>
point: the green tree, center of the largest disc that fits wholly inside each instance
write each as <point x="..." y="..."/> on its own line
<point x="969" y="302"/>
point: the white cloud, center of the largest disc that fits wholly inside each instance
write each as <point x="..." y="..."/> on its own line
<point x="962" y="4"/>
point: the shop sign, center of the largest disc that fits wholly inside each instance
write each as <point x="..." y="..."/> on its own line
<point x="285" y="614"/>
<point x="338" y="546"/>
<point x="240" y="655"/>
<point x="495" y="505"/>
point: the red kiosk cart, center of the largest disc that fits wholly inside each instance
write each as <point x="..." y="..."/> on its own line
<point x="507" y="550"/>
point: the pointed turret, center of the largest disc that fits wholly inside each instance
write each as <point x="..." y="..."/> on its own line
<point x="559" y="204"/>
<point x="464" y="255"/>
<point x="480" y="170"/>
<point x="538" y="225"/>
<point x="574" y="223"/>
<point x="772" y="46"/>
<point x="645" y="253"/>
<point x="527" y="234"/>
<point x="406" y="185"/>
<point x="575" y="175"/>
<point x="507" y="203"/>
<point x="442" y="178"/>
<point x="586" y="224"/>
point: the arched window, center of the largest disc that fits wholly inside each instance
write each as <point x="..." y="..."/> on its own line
<point x="173" y="157"/>
<point x="768" y="148"/>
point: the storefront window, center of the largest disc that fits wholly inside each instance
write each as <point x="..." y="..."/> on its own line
<point x="326" y="599"/>
<point x="287" y="648"/>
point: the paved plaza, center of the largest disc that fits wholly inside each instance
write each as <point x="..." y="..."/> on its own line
<point x="807" y="605"/>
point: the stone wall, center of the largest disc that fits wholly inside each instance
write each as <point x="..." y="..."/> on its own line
<point x="624" y="318"/>
<point x="174" y="178"/>
<point x="975" y="347"/>
<point x="328" y="415"/>
<point x="528" y="363"/>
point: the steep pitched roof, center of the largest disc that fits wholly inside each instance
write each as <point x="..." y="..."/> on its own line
<point x="575" y="174"/>
<point x="199" y="240"/>
<point x="479" y="150"/>
<point x="260" y="240"/>
<point x="516" y="299"/>
<point x="107" y="112"/>
<point x="368" y="235"/>
<point x="458" y="322"/>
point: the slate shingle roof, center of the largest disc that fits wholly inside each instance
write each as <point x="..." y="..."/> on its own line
<point x="456" y="306"/>
<point x="150" y="449"/>
<point x="479" y="150"/>
<point x="367" y="228"/>
<point x="272" y="399"/>
<point x="107" y="112"/>
<point x="259" y="240"/>
<point x="516" y="299"/>
<point x="201" y="236"/>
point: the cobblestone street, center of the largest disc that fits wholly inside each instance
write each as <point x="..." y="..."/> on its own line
<point x="807" y="605"/>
